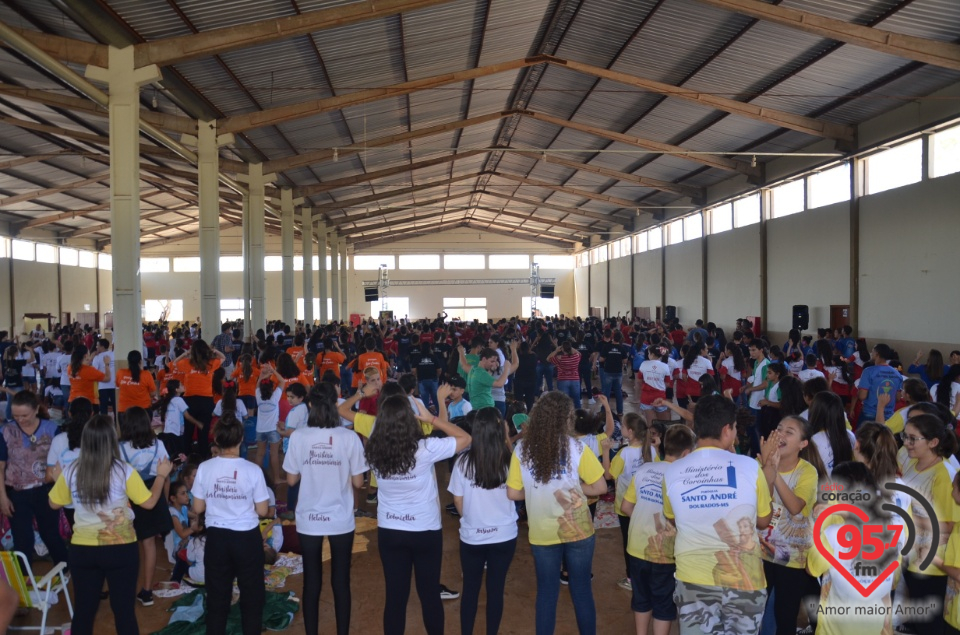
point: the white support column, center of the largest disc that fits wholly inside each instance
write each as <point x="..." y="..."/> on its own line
<point x="288" y="298"/>
<point x="248" y="331"/>
<point x="322" y="270"/>
<point x="254" y="247"/>
<point x="207" y="143"/>
<point x="344" y="310"/>
<point x="306" y="233"/>
<point x="335" y="274"/>
<point x="124" y="81"/>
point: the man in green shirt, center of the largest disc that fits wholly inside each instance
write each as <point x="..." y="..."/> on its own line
<point x="480" y="378"/>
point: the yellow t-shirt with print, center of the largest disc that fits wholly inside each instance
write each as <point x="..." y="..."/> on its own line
<point x="651" y="536"/>
<point x="951" y="558"/>
<point x="935" y="484"/>
<point x="557" y="510"/>
<point x="623" y="466"/>
<point x="788" y="538"/>
<point x="715" y="498"/>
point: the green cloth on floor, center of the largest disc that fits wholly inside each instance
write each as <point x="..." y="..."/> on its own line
<point x="278" y="612"/>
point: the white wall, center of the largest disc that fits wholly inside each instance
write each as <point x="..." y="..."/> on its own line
<point x="647" y="279"/>
<point x="684" y="280"/>
<point x="598" y="285"/>
<point x="808" y="262"/>
<point x="581" y="278"/>
<point x="733" y="274"/>
<point x="620" y="287"/>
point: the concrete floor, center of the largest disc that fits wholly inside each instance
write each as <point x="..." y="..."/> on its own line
<point x="613" y="604"/>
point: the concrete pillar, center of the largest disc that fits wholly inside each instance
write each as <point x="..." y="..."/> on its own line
<point x="335" y="274"/>
<point x="124" y="81"/>
<point x="253" y="246"/>
<point x="306" y="233"/>
<point x="245" y="249"/>
<point x="344" y="310"/>
<point x="322" y="270"/>
<point x="287" y="299"/>
<point x="207" y="143"/>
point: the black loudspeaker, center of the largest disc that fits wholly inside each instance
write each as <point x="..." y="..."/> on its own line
<point x="371" y="294"/>
<point x="546" y="291"/>
<point x="801" y="317"/>
<point x="670" y="313"/>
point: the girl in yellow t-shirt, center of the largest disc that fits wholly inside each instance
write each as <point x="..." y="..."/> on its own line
<point x="928" y="442"/>
<point x="792" y="467"/>
<point x="951" y="564"/>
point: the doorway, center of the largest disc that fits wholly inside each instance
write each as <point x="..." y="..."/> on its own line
<point x="839" y="316"/>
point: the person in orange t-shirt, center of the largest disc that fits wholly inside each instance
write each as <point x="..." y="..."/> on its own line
<point x="247" y="374"/>
<point x="331" y="358"/>
<point x="135" y="386"/>
<point x="83" y="375"/>
<point x="370" y="358"/>
<point x="198" y="366"/>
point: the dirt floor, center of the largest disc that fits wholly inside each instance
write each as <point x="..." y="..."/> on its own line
<point x="613" y="604"/>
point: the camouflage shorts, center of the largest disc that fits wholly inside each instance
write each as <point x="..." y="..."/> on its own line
<point x="714" y="610"/>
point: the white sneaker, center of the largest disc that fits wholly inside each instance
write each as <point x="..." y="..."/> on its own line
<point x="625" y="584"/>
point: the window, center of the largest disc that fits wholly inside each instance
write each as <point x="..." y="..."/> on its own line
<point x="583" y="259"/>
<point x="69" y="257"/>
<point x="626" y="246"/>
<point x="830" y="186"/>
<point x="105" y="261"/>
<point x="746" y="211"/>
<point x="464" y="261"/>
<point x="298" y="263"/>
<point x="465" y="309"/>
<point x="399" y="306"/>
<point x="675" y="232"/>
<point x="599" y="254"/>
<point x="272" y="263"/>
<point x="231" y="263"/>
<point x="895" y="167"/>
<point x="46" y="253"/>
<point x="693" y="226"/>
<point x="231" y="309"/>
<point x="414" y="261"/>
<point x="4" y="247"/>
<point x="945" y="148"/>
<point x="615" y="250"/>
<point x="156" y="310"/>
<point x="640" y="243"/>
<point x="316" y="308"/>
<point x="510" y="261"/>
<point x="788" y="198"/>
<point x="23" y="249"/>
<point x="88" y="259"/>
<point x="721" y="218"/>
<point x="655" y="238"/>
<point x="154" y="265"/>
<point x="186" y="265"/>
<point x="372" y="263"/>
<point x="544" y="307"/>
<point x="554" y="261"/>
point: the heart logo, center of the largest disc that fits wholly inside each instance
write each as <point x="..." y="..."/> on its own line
<point x="837" y="565"/>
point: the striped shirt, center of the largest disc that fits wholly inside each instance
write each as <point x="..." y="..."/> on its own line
<point x="568" y="367"/>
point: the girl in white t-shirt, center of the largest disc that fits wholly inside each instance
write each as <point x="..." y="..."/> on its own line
<point x="143" y="451"/>
<point x="233" y="494"/>
<point x="488" y="519"/>
<point x="408" y="510"/>
<point x="329" y="459"/>
<point x="269" y="394"/>
<point x="175" y="412"/>
<point x="832" y="439"/>
<point x="229" y="403"/>
<point x="947" y="391"/>
<point x="65" y="447"/>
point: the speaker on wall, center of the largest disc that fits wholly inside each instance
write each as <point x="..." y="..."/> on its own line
<point x="670" y="313"/>
<point x="801" y="317"/>
<point x="371" y="294"/>
<point x="546" y="291"/>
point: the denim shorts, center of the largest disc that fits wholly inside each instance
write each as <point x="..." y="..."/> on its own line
<point x="653" y="586"/>
<point x="268" y="437"/>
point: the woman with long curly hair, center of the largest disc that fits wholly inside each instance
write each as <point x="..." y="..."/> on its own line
<point x="409" y="534"/>
<point x="555" y="473"/>
<point x="198" y="366"/>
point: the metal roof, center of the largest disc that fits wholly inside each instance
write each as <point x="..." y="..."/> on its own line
<point x="576" y="179"/>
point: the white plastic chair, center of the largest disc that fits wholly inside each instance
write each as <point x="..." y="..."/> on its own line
<point x="33" y="593"/>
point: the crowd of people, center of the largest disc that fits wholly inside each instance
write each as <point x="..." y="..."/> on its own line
<point x="719" y="470"/>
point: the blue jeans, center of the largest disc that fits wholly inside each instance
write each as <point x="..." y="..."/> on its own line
<point x="571" y="389"/>
<point x="614" y="382"/>
<point x="501" y="407"/>
<point x="428" y="393"/>
<point x="544" y="371"/>
<point x="578" y="557"/>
